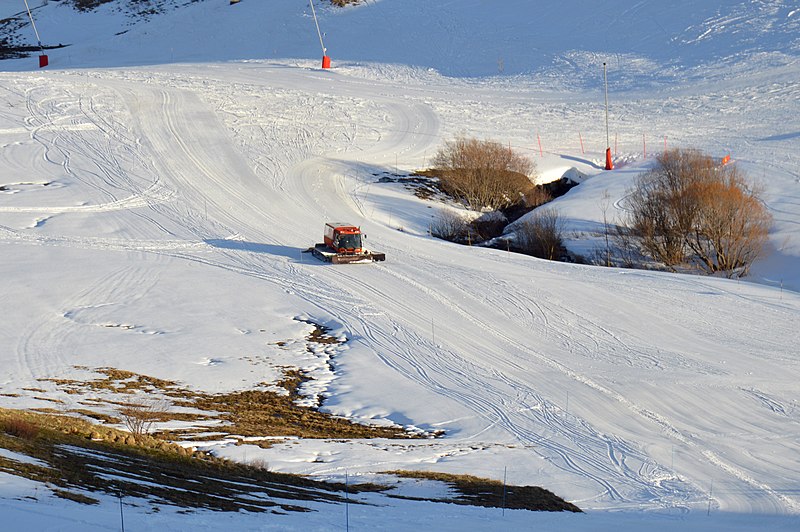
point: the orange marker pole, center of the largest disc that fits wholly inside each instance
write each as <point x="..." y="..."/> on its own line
<point x="644" y="144"/>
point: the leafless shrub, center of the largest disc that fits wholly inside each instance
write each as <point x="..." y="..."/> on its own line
<point x="450" y="225"/>
<point x="541" y="235"/>
<point x="259" y="463"/>
<point x="139" y="417"/>
<point x="627" y="251"/>
<point x="537" y="196"/>
<point x="483" y="174"/>
<point x="689" y="209"/>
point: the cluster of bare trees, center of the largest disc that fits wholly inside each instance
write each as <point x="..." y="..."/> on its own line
<point x="483" y="173"/>
<point x="488" y="175"/>
<point x="690" y="209"/>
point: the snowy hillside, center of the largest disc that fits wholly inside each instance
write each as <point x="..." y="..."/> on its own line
<point x="163" y="175"/>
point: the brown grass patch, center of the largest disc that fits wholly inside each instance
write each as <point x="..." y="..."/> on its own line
<point x="104" y="418"/>
<point x="19" y="427"/>
<point x="478" y="491"/>
<point x="72" y="454"/>
<point x="49" y="399"/>
<point x="246" y="413"/>
<point x="265" y="413"/>
<point x="76" y="497"/>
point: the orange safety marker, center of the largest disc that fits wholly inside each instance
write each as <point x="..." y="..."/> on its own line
<point x="609" y="162"/>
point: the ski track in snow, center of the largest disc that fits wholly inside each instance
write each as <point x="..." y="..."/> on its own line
<point x="194" y="187"/>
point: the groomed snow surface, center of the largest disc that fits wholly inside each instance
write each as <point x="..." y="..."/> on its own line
<point x="161" y="179"/>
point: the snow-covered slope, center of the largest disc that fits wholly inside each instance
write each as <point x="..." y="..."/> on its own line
<point x="160" y="184"/>
<point x="457" y="38"/>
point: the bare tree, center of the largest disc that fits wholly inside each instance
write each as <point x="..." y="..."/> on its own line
<point x="483" y="173"/>
<point x="690" y="210"/>
<point x="605" y="203"/>
<point x="541" y="235"/>
<point x="733" y="226"/>
<point x="662" y="210"/>
<point x="140" y="416"/>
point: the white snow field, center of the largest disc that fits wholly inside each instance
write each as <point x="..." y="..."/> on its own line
<point x="161" y="178"/>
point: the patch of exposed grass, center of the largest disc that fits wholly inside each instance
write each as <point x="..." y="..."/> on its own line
<point x="19" y="427"/>
<point x="265" y="413"/>
<point x="320" y="335"/>
<point x="116" y="380"/>
<point x="245" y="413"/>
<point x="105" y="418"/>
<point x="478" y="491"/>
<point x="77" y="497"/>
<point x="71" y="455"/>
<point x="88" y="5"/>
<point x="74" y="455"/>
<point x="248" y="413"/>
<point x="424" y="184"/>
<point x="49" y="399"/>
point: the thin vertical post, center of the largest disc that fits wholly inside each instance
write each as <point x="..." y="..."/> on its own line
<point x="505" y="472"/>
<point x="644" y="144"/>
<point x="319" y="33"/>
<point x="346" y="502"/>
<point x="38" y="40"/>
<point x="710" y="495"/>
<point x="609" y="162"/>
<point x="121" y="515"/>
<point x="583" y="152"/>
<point x="605" y="83"/>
